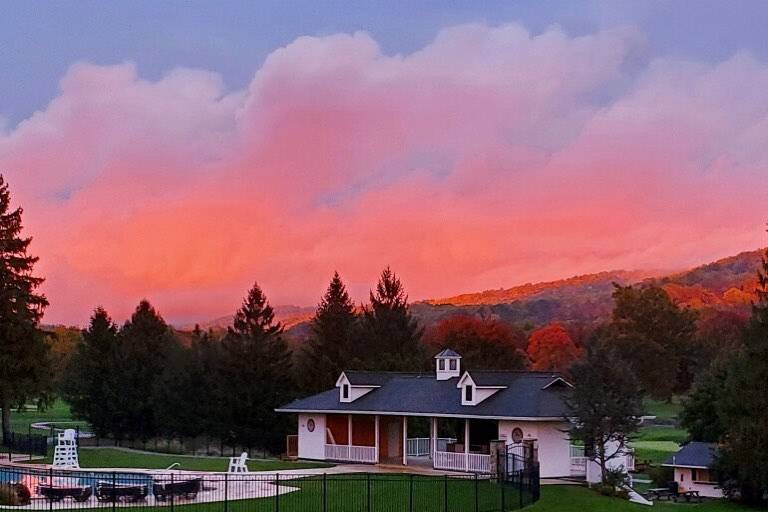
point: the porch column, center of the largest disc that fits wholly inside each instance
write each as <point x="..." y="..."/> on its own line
<point x="432" y="437"/>
<point x="466" y="444"/>
<point x="349" y="433"/>
<point x="405" y="440"/>
<point x="376" y="436"/>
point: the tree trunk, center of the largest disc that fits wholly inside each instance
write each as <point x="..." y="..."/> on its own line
<point x="6" y="413"/>
<point x="603" y="462"/>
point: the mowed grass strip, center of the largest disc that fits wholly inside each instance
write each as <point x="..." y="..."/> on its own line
<point x="571" y="498"/>
<point x="123" y="458"/>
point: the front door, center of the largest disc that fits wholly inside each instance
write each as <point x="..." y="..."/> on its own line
<point x="391" y="442"/>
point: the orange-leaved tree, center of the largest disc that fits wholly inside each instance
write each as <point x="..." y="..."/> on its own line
<point x="551" y="348"/>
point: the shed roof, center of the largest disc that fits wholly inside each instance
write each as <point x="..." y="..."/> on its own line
<point x="694" y="454"/>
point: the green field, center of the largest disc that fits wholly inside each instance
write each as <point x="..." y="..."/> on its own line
<point x="58" y="413"/>
<point x="566" y="498"/>
<point x="663" y="410"/>
<point x="121" y="458"/>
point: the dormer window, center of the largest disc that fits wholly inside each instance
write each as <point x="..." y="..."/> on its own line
<point x="468" y="393"/>
<point x="441" y="364"/>
<point x="452" y="364"/>
<point x="345" y="391"/>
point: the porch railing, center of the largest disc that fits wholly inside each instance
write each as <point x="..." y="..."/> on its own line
<point x="422" y="446"/>
<point x="469" y="462"/>
<point x="351" y="453"/>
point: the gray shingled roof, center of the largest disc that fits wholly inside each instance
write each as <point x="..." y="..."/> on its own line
<point x="365" y="378"/>
<point x="694" y="454"/>
<point x="524" y="396"/>
<point x="448" y="353"/>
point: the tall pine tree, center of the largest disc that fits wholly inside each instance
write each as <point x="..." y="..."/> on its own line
<point x="146" y="343"/>
<point x="390" y="336"/>
<point x="330" y="348"/>
<point x="254" y="375"/>
<point x="25" y="370"/>
<point x="91" y="385"/>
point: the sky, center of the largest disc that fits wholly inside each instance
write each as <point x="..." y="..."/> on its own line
<point x="181" y="151"/>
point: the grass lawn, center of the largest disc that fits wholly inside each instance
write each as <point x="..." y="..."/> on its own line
<point x="661" y="433"/>
<point x="569" y="498"/>
<point x="664" y="410"/>
<point x="117" y="458"/>
<point x="655" y="451"/>
<point x="57" y="412"/>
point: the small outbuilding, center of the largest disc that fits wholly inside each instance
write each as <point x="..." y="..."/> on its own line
<point x="693" y="465"/>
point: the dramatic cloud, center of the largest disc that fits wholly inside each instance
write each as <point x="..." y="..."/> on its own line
<point x="488" y="158"/>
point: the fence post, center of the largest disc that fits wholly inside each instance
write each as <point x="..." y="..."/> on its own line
<point x="520" y="490"/>
<point x="277" y="492"/>
<point x="325" y="492"/>
<point x="50" y="482"/>
<point x="114" y="491"/>
<point x="173" y="493"/>
<point x="445" y="493"/>
<point x="503" y="501"/>
<point x="226" y="492"/>
<point x="477" y="501"/>
<point x="368" y="482"/>
<point x="410" y="494"/>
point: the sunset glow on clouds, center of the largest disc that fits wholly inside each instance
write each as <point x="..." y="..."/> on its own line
<point x="488" y="158"/>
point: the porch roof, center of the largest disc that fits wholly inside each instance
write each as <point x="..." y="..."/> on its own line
<point x="525" y="395"/>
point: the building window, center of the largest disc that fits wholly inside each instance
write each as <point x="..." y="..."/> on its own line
<point x="441" y="364"/>
<point x="517" y="435"/>
<point x="468" y="393"/>
<point x="345" y="391"/>
<point x="452" y="364"/>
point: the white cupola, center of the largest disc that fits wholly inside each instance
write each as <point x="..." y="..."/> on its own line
<point x="447" y="365"/>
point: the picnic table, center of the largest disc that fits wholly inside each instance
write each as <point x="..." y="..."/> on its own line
<point x="660" y="493"/>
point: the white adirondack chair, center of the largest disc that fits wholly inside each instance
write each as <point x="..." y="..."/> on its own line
<point x="237" y="464"/>
<point x="65" y="452"/>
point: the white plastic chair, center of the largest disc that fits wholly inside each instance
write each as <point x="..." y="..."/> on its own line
<point x="237" y="464"/>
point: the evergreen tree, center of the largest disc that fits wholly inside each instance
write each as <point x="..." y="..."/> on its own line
<point x="254" y="375"/>
<point x="146" y="344"/>
<point x="330" y="348"/>
<point x="90" y="385"/>
<point x="743" y="460"/>
<point x="24" y="352"/>
<point x="605" y="404"/>
<point x="390" y="336"/>
<point x="654" y="337"/>
<point x="701" y="412"/>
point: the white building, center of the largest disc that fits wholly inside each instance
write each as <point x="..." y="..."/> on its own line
<point x="693" y="469"/>
<point x="450" y="419"/>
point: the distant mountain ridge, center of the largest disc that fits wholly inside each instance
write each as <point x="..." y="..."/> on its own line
<point x="726" y="283"/>
<point x="288" y="315"/>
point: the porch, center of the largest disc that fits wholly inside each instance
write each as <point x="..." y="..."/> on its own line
<point x="443" y="444"/>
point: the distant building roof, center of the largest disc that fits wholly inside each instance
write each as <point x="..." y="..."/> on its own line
<point x="694" y="454"/>
<point x="524" y="395"/>
<point x="448" y="353"/>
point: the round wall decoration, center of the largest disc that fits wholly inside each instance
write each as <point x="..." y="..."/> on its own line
<point x="517" y="435"/>
<point x="311" y="425"/>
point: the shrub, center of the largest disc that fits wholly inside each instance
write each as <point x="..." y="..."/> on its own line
<point x="14" y="495"/>
<point x="661" y="475"/>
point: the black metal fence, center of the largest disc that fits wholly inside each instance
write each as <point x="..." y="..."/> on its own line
<point x="29" y="444"/>
<point x="48" y="489"/>
<point x="202" y="445"/>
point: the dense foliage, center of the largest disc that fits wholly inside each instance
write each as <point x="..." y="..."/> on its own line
<point x="484" y="343"/>
<point x="551" y="348"/>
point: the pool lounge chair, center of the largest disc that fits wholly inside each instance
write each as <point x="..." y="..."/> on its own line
<point x="185" y="488"/>
<point x="109" y="492"/>
<point x="79" y="493"/>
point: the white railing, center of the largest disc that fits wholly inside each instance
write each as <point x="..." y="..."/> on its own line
<point x="577" y="451"/>
<point x="469" y="462"/>
<point x="346" y="453"/>
<point x="579" y="466"/>
<point x="629" y="457"/>
<point x="422" y="446"/>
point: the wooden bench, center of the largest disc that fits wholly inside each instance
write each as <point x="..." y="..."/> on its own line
<point x="690" y="495"/>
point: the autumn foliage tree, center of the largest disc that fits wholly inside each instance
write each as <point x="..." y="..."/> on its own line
<point x="551" y="348"/>
<point x="484" y="343"/>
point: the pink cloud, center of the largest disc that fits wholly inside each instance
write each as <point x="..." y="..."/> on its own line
<point x="488" y="158"/>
